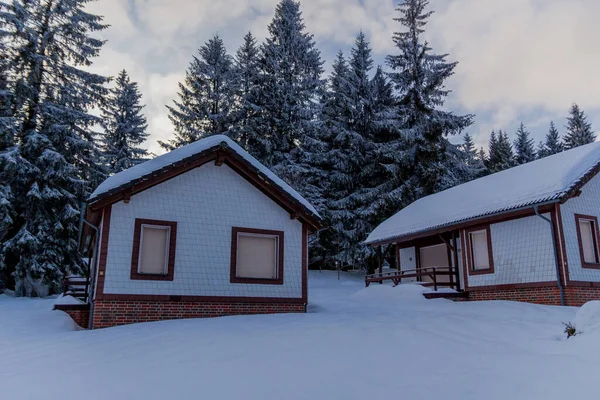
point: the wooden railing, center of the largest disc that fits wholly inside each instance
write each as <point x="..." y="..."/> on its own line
<point x="76" y="286"/>
<point x="397" y="276"/>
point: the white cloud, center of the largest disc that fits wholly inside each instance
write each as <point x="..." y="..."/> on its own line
<point x="519" y="59"/>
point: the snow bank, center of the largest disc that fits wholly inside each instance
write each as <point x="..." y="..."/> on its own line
<point x="587" y="319"/>
<point x="386" y="293"/>
<point x="67" y="300"/>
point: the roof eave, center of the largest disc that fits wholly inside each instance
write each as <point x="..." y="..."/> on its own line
<point x="114" y="195"/>
<point x="458" y="224"/>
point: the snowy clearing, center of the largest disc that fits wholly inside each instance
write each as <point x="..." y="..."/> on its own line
<point x="355" y="343"/>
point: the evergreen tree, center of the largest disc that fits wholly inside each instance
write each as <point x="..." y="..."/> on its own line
<point x="472" y="160"/>
<point x="51" y="47"/>
<point x="552" y="144"/>
<point x="383" y="105"/>
<point x="420" y="156"/>
<point x="579" y="130"/>
<point x="501" y="155"/>
<point x="524" y="148"/>
<point x="8" y="149"/>
<point x="206" y="97"/>
<point x="125" y="125"/>
<point x="247" y="73"/>
<point x="349" y="118"/>
<point x="289" y="88"/>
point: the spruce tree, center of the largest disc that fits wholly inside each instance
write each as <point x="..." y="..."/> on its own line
<point x="552" y="143"/>
<point x="206" y="97"/>
<point x="524" y="147"/>
<point x="473" y="163"/>
<point x="8" y="150"/>
<point x="419" y="157"/>
<point x="289" y="88"/>
<point x="579" y="130"/>
<point x="52" y="46"/>
<point x="501" y="155"/>
<point x="349" y="119"/>
<point x="124" y="124"/>
<point x="246" y="112"/>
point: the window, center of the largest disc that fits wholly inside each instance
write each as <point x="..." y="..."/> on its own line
<point x="154" y="250"/>
<point x="480" y="251"/>
<point x="256" y="256"/>
<point x="153" y="255"/>
<point x="587" y="234"/>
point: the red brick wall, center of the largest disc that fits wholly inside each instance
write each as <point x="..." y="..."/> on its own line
<point x="576" y="296"/>
<point x="80" y="315"/>
<point x="538" y="295"/>
<point x="120" y="312"/>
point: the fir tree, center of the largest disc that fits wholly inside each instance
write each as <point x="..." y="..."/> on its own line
<point x="501" y="155"/>
<point x="51" y="45"/>
<point x="579" y="130"/>
<point x="289" y="88"/>
<point x="419" y="157"/>
<point x="349" y="118"/>
<point x="125" y="125"/>
<point x="524" y="148"/>
<point x="206" y="97"/>
<point x="8" y="148"/>
<point x="473" y="162"/>
<point x="246" y="112"/>
<point x="552" y="143"/>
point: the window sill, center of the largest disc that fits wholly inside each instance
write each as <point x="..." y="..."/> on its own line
<point x="481" y="271"/>
<point x="256" y="281"/>
<point x="150" y="277"/>
<point x="590" y="265"/>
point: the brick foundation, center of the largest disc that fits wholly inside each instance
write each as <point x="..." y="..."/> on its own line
<point x="577" y="295"/>
<point x="550" y="295"/>
<point x="538" y="295"/>
<point x="121" y="312"/>
<point x="79" y="312"/>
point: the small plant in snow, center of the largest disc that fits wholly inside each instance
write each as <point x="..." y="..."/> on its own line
<point x="570" y="329"/>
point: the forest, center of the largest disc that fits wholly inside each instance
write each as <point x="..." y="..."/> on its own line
<point x="360" y="144"/>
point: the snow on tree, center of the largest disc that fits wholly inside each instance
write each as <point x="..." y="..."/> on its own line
<point x="288" y="92"/>
<point x="524" y="147"/>
<point x="124" y="125"/>
<point x="579" y="130"/>
<point x="246" y="112"/>
<point x="472" y="161"/>
<point x="349" y="125"/>
<point x="500" y="154"/>
<point x="51" y="46"/>
<point x="552" y="143"/>
<point x="206" y="97"/>
<point x="8" y="148"/>
<point x="418" y="157"/>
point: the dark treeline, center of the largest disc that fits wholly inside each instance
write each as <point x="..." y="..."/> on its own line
<point x="360" y="144"/>
<point x="503" y="154"/>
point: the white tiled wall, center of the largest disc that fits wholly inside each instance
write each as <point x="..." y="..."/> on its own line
<point x="206" y="202"/>
<point x="408" y="261"/>
<point x="523" y="253"/>
<point x="587" y="203"/>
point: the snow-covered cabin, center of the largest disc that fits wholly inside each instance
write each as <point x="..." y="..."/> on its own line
<point x="529" y="233"/>
<point x="202" y="231"/>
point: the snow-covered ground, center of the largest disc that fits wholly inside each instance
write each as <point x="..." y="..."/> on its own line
<point x="355" y="343"/>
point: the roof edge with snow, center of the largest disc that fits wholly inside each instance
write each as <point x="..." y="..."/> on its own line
<point x="571" y="190"/>
<point x="217" y="148"/>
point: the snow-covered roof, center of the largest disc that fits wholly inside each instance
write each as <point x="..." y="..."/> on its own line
<point x="146" y="169"/>
<point x="548" y="179"/>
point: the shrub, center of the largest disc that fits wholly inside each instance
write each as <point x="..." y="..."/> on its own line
<point x="570" y="329"/>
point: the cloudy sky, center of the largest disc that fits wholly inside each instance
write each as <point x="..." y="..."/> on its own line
<point x="519" y="60"/>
